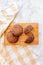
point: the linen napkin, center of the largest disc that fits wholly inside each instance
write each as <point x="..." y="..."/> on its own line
<point x="6" y="17"/>
<point x="13" y="55"/>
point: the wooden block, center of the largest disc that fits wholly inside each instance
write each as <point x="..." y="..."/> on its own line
<point x="23" y="37"/>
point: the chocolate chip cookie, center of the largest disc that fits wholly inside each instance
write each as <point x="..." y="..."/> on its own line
<point x="17" y="30"/>
<point x="30" y="38"/>
<point x="28" y="29"/>
<point x="11" y="38"/>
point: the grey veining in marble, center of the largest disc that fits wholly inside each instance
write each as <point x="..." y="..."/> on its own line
<point x="30" y="11"/>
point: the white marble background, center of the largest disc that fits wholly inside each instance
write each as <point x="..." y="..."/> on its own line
<point x="29" y="11"/>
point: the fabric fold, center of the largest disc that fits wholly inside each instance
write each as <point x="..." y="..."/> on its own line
<point x="6" y="17"/>
<point x="10" y="55"/>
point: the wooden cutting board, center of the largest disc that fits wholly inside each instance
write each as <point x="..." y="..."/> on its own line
<point x="23" y="37"/>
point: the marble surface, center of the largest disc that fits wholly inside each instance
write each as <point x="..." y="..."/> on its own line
<point x="29" y="11"/>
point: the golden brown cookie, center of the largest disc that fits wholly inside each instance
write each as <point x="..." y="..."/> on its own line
<point x="17" y="30"/>
<point x="28" y="29"/>
<point x="30" y="38"/>
<point x="11" y="38"/>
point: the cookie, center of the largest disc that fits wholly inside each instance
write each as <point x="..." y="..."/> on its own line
<point x="11" y="38"/>
<point x="17" y="30"/>
<point x="28" y="29"/>
<point x="30" y="38"/>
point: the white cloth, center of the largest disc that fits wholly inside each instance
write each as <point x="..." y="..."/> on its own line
<point x="10" y="55"/>
<point x="6" y="17"/>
